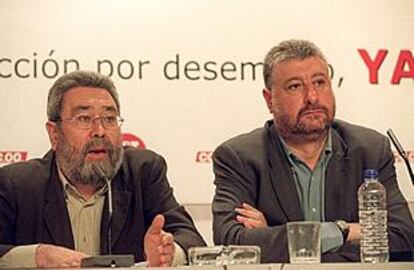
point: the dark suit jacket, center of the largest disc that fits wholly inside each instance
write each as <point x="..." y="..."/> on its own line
<point x="253" y="168"/>
<point x="33" y="208"/>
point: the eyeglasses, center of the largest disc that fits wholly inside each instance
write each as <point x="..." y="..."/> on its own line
<point x="86" y="121"/>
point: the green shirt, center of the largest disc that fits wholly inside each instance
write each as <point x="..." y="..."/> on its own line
<point x="311" y="184"/>
<point x="311" y="191"/>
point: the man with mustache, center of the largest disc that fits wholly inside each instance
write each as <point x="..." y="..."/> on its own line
<point x="54" y="210"/>
<point x="303" y="165"/>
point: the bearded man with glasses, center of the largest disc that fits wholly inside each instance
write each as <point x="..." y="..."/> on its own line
<point x="54" y="210"/>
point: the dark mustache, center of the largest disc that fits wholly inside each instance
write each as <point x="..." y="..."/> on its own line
<point x="98" y="142"/>
<point x="312" y="107"/>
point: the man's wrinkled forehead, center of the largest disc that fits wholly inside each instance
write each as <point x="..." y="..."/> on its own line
<point x="90" y="109"/>
<point x="88" y="99"/>
<point x="319" y="64"/>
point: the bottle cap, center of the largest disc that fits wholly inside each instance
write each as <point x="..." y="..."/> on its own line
<point x="371" y="173"/>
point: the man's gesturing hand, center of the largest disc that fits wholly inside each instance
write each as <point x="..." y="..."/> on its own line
<point x="159" y="245"/>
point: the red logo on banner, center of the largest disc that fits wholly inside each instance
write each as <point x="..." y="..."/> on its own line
<point x="207" y="156"/>
<point x="129" y="139"/>
<point x="12" y="156"/>
<point x="204" y="156"/>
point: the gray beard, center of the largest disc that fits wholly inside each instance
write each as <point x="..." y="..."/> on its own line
<point x="295" y="130"/>
<point x="77" y="171"/>
<point x="299" y="132"/>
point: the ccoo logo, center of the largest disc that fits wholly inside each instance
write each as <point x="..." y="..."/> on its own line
<point x="204" y="157"/>
<point x="12" y="156"/>
<point x="129" y="139"/>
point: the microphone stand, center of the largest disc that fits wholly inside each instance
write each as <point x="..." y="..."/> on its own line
<point x="401" y="152"/>
<point x="401" y="255"/>
<point x="109" y="260"/>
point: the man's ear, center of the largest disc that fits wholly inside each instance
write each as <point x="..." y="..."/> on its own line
<point x="52" y="131"/>
<point x="267" y="95"/>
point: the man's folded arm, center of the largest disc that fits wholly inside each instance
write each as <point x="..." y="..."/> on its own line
<point x="232" y="189"/>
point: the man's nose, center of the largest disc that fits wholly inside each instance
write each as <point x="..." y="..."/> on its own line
<point x="311" y="94"/>
<point x="97" y="129"/>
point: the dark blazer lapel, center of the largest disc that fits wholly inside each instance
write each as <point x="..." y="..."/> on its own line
<point x="281" y="175"/>
<point x="336" y="179"/>
<point x="56" y="215"/>
<point x="121" y="200"/>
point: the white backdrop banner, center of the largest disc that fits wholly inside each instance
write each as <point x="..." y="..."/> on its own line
<point x="189" y="73"/>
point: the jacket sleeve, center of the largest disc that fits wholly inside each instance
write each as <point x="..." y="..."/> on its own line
<point x="236" y="182"/>
<point x="159" y="199"/>
<point x="7" y="212"/>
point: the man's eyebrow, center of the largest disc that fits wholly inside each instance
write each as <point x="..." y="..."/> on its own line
<point x="289" y="80"/>
<point x="80" y="108"/>
<point x="110" y="108"/>
<point x="319" y="74"/>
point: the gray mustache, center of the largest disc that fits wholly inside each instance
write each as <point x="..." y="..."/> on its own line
<point x="98" y="142"/>
<point x="304" y="110"/>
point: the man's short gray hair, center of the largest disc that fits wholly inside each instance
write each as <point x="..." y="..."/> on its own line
<point x="292" y="49"/>
<point x="76" y="79"/>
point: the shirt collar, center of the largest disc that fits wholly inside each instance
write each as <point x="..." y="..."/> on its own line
<point x="291" y="157"/>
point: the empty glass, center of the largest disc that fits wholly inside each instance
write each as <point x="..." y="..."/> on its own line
<point x="304" y="240"/>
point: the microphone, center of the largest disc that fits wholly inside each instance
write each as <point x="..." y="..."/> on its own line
<point x="401" y="152"/>
<point x="108" y="260"/>
<point x="99" y="171"/>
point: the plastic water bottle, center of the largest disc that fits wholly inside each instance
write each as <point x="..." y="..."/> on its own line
<point x="373" y="219"/>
